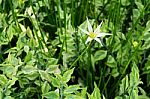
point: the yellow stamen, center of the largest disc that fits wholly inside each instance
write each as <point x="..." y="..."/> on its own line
<point x="92" y="35"/>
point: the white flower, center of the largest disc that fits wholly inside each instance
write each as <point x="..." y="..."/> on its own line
<point x="94" y="35"/>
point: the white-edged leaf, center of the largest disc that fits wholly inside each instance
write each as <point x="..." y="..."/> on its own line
<point x="3" y="80"/>
<point x="100" y="55"/>
<point x="45" y="75"/>
<point x="67" y="75"/>
<point x="12" y="82"/>
<point x="71" y="89"/>
<point x="56" y="82"/>
<point x="51" y="95"/>
<point x="45" y="87"/>
<point x="111" y="62"/>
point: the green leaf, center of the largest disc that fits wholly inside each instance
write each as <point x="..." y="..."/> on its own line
<point x="100" y="55"/>
<point x="143" y="97"/>
<point x="29" y="69"/>
<point x="111" y="62"/>
<point x="51" y="95"/>
<point x="8" y="97"/>
<point x="71" y="89"/>
<point x="136" y="14"/>
<point x="96" y="93"/>
<point x="134" y="76"/>
<point x="67" y="1"/>
<point x="147" y="29"/>
<point x="23" y="81"/>
<point x="118" y="97"/>
<point x="124" y="85"/>
<point x="3" y="80"/>
<point x="45" y="75"/>
<point x="9" y="70"/>
<point x="45" y="87"/>
<point x="142" y="91"/>
<point x="146" y="38"/>
<point x="32" y="76"/>
<point x="99" y="3"/>
<point x="84" y="92"/>
<point x="28" y="56"/>
<point x="93" y="62"/>
<point x="29" y="32"/>
<point x="117" y="44"/>
<point x="129" y="84"/>
<point x="52" y="68"/>
<point x="140" y="6"/>
<point x="67" y="75"/>
<point x="53" y="61"/>
<point x="1" y="94"/>
<point x="125" y="2"/>
<point x="12" y="82"/>
<point x="146" y="44"/>
<point x="56" y="82"/>
<point x="0" y="1"/>
<point x="12" y="59"/>
<point x="22" y="27"/>
<point x="115" y="72"/>
<point x="70" y="96"/>
<point x="121" y="35"/>
<point x="13" y="49"/>
<point x="11" y="31"/>
<point x="21" y="40"/>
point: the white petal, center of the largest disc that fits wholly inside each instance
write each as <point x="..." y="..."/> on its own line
<point x="102" y="34"/>
<point x="98" y="40"/>
<point x="97" y="30"/>
<point x="89" y="26"/>
<point x="88" y="39"/>
<point x="84" y="31"/>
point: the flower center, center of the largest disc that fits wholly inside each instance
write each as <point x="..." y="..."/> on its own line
<point x="92" y="35"/>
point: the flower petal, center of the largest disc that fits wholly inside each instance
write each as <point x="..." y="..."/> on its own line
<point x="102" y="34"/>
<point x="90" y="29"/>
<point x="88" y="39"/>
<point x="97" y="30"/>
<point x="84" y="31"/>
<point x="98" y="40"/>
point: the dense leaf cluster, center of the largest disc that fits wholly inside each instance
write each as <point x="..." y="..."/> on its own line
<point x="43" y="54"/>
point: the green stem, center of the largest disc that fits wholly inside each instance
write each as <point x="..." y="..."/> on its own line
<point x="80" y="56"/>
<point x="106" y="83"/>
<point x="14" y="14"/>
<point x="61" y="92"/>
<point x="65" y="24"/>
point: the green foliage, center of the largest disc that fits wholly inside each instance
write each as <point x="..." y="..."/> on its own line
<point x="43" y="54"/>
<point x="51" y="95"/>
<point x="96" y="93"/>
<point x="100" y="55"/>
<point x="129" y="84"/>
